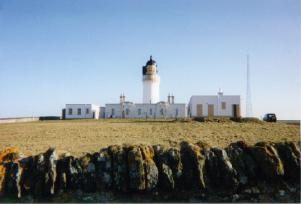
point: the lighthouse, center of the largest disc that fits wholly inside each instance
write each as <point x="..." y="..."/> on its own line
<point x="151" y="82"/>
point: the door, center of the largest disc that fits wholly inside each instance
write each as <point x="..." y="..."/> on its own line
<point x="210" y="110"/>
<point x="199" y="110"/>
<point x="64" y="114"/>
<point x="236" y="110"/>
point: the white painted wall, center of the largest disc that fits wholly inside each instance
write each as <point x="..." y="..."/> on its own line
<point x="102" y="113"/>
<point x="74" y="107"/>
<point x="205" y="100"/>
<point x="19" y="120"/>
<point x="146" y="110"/>
<point x="230" y="100"/>
<point x="113" y="114"/>
<point x="216" y="101"/>
<point x="96" y="110"/>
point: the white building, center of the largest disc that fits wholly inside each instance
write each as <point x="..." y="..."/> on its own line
<point x="162" y="109"/>
<point x="214" y="105"/>
<point x="151" y="82"/>
<point x="81" y="111"/>
<point x="152" y="107"/>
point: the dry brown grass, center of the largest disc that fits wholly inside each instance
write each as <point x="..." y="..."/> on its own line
<point x="79" y="136"/>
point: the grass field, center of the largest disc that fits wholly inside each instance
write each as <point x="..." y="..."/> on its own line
<point x="79" y="136"/>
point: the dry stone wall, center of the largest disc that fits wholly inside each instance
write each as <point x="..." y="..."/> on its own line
<point x="198" y="168"/>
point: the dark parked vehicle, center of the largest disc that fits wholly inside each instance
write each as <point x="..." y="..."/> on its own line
<point x="270" y="117"/>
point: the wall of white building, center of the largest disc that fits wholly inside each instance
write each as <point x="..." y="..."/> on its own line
<point x="230" y="101"/>
<point x="86" y="111"/>
<point x="102" y="113"/>
<point x="158" y="110"/>
<point x="217" y="100"/>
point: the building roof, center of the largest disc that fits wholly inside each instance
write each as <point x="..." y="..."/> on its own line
<point x="81" y="104"/>
<point x="147" y="104"/>
<point x="151" y="61"/>
<point x="193" y="96"/>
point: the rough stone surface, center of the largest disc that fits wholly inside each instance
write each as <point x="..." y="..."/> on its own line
<point x="88" y="173"/>
<point x="12" y="181"/>
<point x="166" y="178"/>
<point x="260" y="173"/>
<point x="44" y="173"/>
<point x="136" y="169"/>
<point x="242" y="162"/>
<point x="193" y="166"/>
<point x="158" y="154"/>
<point x="103" y="165"/>
<point x="290" y="157"/>
<point x="222" y="175"/>
<point x="27" y="179"/>
<point x="268" y="160"/>
<point x="173" y="160"/>
<point x="61" y="170"/>
<point x="38" y="175"/>
<point x="119" y="167"/>
<point x="10" y="154"/>
<point x="73" y="173"/>
<point x="50" y="166"/>
<point x="150" y="168"/>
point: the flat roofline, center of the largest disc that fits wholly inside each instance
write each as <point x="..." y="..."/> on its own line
<point x="202" y="95"/>
<point x="210" y="95"/>
<point x="82" y="104"/>
<point x="146" y="104"/>
<point x="158" y="103"/>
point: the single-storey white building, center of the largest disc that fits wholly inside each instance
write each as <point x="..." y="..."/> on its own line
<point x="214" y="105"/>
<point x="81" y="111"/>
<point x="162" y="109"/>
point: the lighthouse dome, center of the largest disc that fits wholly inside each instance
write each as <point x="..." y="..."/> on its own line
<point x="150" y="67"/>
<point x="151" y="61"/>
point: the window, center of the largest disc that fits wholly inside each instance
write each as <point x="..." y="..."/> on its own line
<point x="127" y="111"/>
<point x="79" y="111"/>
<point x="177" y="112"/>
<point x="162" y="111"/>
<point x="150" y="111"/>
<point x="223" y="105"/>
<point x="87" y="111"/>
<point x="70" y="111"/>
<point x="112" y="112"/>
<point x="139" y="111"/>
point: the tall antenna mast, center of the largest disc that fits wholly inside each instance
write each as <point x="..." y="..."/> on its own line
<point x="248" y="97"/>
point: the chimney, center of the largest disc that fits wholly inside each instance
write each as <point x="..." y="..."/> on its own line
<point x="122" y="98"/>
<point x="220" y="92"/>
<point x="172" y="99"/>
<point x="168" y="98"/>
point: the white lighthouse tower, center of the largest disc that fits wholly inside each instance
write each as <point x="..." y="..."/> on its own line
<point x="151" y="82"/>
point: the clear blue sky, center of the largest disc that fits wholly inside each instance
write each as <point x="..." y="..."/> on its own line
<point x="58" y="52"/>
